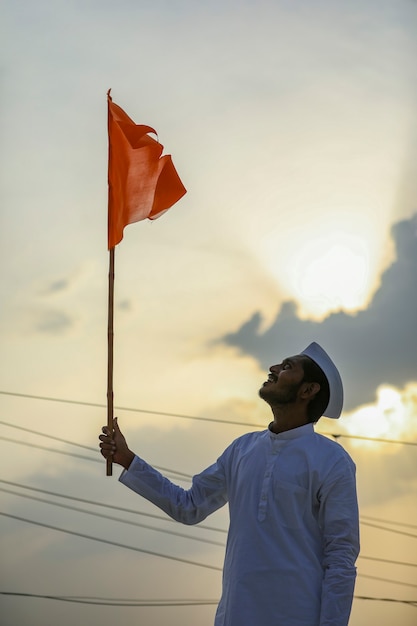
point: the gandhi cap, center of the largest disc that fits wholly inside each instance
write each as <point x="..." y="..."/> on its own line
<point x="322" y="359"/>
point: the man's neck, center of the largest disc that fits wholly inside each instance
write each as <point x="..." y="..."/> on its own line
<point x="286" y="420"/>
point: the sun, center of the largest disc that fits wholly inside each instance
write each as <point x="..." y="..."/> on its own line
<point x="328" y="265"/>
<point x="332" y="276"/>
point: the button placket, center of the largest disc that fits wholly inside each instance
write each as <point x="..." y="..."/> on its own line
<point x="266" y="483"/>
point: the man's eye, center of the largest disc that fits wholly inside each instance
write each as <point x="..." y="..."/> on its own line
<point x="286" y="366"/>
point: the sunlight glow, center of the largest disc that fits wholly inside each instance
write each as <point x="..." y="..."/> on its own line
<point x="334" y="277"/>
<point x="331" y="264"/>
<point x="391" y="417"/>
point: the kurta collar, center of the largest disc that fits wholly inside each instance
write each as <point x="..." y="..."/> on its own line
<point x="294" y="433"/>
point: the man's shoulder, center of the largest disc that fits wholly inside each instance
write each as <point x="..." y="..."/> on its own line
<point x="248" y="439"/>
<point x="332" y="448"/>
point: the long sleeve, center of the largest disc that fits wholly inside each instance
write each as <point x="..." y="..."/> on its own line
<point x="340" y="526"/>
<point x="189" y="506"/>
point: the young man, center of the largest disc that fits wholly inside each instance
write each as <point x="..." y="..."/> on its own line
<point x="294" y="530"/>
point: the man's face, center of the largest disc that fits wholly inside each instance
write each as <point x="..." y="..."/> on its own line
<point x="283" y="382"/>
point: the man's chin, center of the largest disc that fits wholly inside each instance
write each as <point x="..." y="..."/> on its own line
<point x="263" y="392"/>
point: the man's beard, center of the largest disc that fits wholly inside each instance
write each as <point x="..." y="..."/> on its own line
<point x="287" y="396"/>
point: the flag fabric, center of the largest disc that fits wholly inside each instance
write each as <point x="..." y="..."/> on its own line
<point x="142" y="183"/>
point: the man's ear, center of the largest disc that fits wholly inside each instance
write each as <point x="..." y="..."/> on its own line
<point x="309" y="390"/>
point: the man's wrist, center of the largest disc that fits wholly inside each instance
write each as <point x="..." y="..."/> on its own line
<point x="127" y="459"/>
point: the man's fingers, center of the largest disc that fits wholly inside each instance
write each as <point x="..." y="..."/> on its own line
<point x="107" y="444"/>
<point x="108" y="447"/>
<point x="107" y="453"/>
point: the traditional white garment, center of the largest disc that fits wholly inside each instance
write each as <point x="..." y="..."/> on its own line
<point x="294" y="530"/>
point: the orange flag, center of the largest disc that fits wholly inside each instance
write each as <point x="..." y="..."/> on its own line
<point x="142" y="184"/>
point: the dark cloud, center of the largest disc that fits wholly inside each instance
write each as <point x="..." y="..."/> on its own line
<point x="378" y="345"/>
<point x="53" y="322"/>
<point x="125" y="305"/>
<point x="58" y="285"/>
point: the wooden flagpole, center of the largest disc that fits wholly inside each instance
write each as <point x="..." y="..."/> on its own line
<point x="127" y="203"/>
<point x="110" y="337"/>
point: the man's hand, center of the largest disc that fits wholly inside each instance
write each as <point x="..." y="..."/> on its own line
<point x="113" y="446"/>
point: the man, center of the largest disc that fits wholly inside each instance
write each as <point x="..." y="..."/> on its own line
<point x="294" y="532"/>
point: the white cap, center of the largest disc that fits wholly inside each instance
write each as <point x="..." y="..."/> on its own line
<point x="322" y="359"/>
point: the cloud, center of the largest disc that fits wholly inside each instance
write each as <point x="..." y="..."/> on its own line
<point x="56" y="286"/>
<point x="125" y="304"/>
<point x="53" y="321"/>
<point x="375" y="346"/>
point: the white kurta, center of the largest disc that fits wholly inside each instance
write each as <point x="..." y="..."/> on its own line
<point x="294" y="530"/>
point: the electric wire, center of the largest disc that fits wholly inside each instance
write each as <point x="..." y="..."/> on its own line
<point x="55" y="438"/>
<point x="112" y="543"/>
<point x="126" y="602"/>
<point x="409" y="602"/>
<point x="393" y="530"/>
<point x="387" y="580"/>
<point x="174" y="472"/>
<point x="131" y="409"/>
<point x="79" y="445"/>
<point x="377" y="439"/>
<point x="167" y="470"/>
<point x="191" y="417"/>
<point x="363" y="557"/>
<point x="390" y="530"/>
<point x="391" y="561"/>
<point x="83" y="535"/>
<point x="112" y="602"/>
<point x="106" y="505"/>
<point x="386" y="521"/>
<point x="46" y="449"/>
<point x="112" y="518"/>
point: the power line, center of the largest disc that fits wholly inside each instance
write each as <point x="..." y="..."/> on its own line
<point x="37" y="432"/>
<point x="340" y="435"/>
<point x="67" y="441"/>
<point x="85" y="458"/>
<point x="112" y="518"/>
<point x="74" y="443"/>
<point x="152" y="527"/>
<point x="104" y="504"/>
<point x="112" y="602"/>
<point x="386" y="521"/>
<point x="124" y="408"/>
<point x="387" y="580"/>
<point x="185" y="560"/>
<point x="45" y="448"/>
<point x="126" y="602"/>
<point x="410" y="602"/>
<point x="374" y="558"/>
<point x="167" y="470"/>
<point x="390" y="530"/>
<point x="164" y="518"/>
<point x="363" y="521"/>
<point x="163" y="469"/>
<point x="190" y="417"/>
<point x="112" y="543"/>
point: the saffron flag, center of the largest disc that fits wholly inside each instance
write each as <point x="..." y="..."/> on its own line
<point x="142" y="184"/>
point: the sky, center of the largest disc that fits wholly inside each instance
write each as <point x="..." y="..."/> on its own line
<point x="292" y="125"/>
